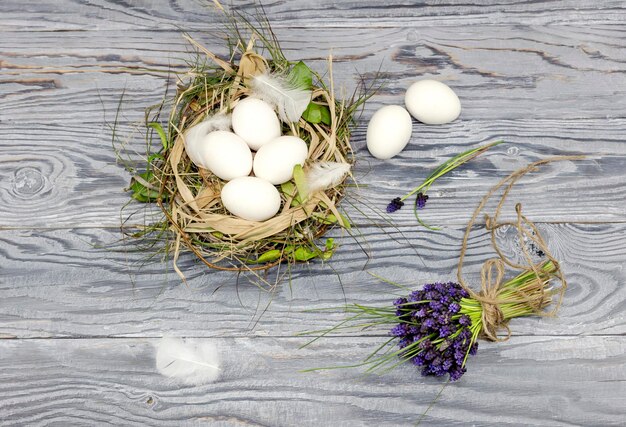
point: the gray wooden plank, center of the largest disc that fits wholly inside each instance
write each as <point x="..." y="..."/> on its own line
<point x="56" y="176"/>
<point x="83" y="282"/>
<point x="75" y="15"/>
<point x="538" y="381"/>
<point x="549" y="89"/>
<point x="510" y="72"/>
<point x="72" y="170"/>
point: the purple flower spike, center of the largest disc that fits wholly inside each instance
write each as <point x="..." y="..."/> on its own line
<point x="394" y="205"/>
<point x="420" y="201"/>
<point x="434" y="335"/>
<point x="454" y="307"/>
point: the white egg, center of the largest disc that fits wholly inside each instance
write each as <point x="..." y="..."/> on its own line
<point x="274" y="161"/>
<point x="389" y="131"/>
<point x="432" y="102"/>
<point x="256" y="122"/>
<point x="195" y="134"/>
<point x="251" y="198"/>
<point x="225" y="154"/>
<point x="193" y="139"/>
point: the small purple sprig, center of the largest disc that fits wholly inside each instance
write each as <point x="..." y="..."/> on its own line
<point x="444" y="168"/>
<point x="394" y="205"/>
<point x="420" y="200"/>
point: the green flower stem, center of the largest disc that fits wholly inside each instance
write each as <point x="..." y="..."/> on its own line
<point x="516" y="290"/>
<point x="448" y="166"/>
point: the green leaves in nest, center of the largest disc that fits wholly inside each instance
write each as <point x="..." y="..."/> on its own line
<point x="143" y="187"/>
<point x="302" y="76"/>
<point x="298" y="253"/>
<point x="316" y="113"/>
<point x="300" y="180"/>
<point x="159" y="130"/>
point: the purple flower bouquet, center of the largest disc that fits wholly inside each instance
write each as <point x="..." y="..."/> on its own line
<point x="438" y="327"/>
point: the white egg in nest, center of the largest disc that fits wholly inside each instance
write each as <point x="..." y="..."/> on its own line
<point x="275" y="160"/>
<point x="432" y="102"/>
<point x="225" y="154"/>
<point x="256" y="122"/>
<point x="389" y="131"/>
<point x="193" y="139"/>
<point x="251" y="198"/>
<point x="195" y="134"/>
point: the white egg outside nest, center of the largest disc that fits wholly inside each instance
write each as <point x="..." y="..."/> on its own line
<point x="389" y="131"/>
<point x="432" y="102"/>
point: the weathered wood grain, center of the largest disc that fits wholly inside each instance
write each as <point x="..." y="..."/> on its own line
<point x="563" y="72"/>
<point x="58" y="120"/>
<point x="53" y="176"/>
<point x="67" y="15"/>
<point x="69" y="283"/>
<point x="547" y="76"/>
<point x="534" y="381"/>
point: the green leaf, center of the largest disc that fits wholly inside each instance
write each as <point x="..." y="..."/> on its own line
<point x="269" y="256"/>
<point x="159" y="129"/>
<point x="300" y="180"/>
<point x="329" y="250"/>
<point x="316" y="113"/>
<point x="301" y="76"/>
<point x="345" y="222"/>
<point x="328" y="219"/>
<point x="155" y="156"/>
<point x="305" y="254"/>
<point x="140" y="192"/>
<point x="326" y="119"/>
<point x="289" y="190"/>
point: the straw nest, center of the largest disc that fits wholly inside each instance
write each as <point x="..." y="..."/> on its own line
<point x="190" y="196"/>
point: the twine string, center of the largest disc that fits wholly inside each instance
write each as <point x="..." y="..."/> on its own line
<point x="493" y="270"/>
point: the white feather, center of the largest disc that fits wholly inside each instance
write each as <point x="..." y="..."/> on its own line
<point x="191" y="362"/>
<point x="276" y="90"/>
<point x="325" y="175"/>
<point x="195" y="134"/>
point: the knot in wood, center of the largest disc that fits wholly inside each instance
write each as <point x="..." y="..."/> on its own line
<point x="28" y="182"/>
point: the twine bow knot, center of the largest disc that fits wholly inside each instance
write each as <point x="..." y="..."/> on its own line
<point x="492" y="316"/>
<point x="491" y="297"/>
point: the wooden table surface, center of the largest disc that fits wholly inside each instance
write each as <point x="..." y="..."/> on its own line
<point x="81" y="311"/>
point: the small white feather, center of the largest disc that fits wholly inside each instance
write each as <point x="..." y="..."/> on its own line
<point x="191" y="362"/>
<point x="196" y="133"/>
<point x="276" y="90"/>
<point x="325" y="175"/>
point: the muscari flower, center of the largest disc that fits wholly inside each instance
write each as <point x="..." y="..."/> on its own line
<point x="420" y="200"/>
<point x="432" y="333"/>
<point x="437" y="327"/>
<point x="448" y="166"/>
<point x="394" y="205"/>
